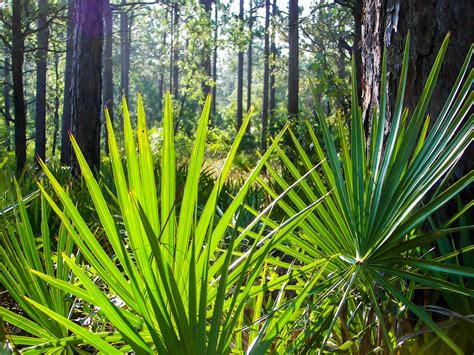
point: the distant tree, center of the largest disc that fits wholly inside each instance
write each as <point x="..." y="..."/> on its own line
<point x="355" y="8"/>
<point x="206" y="63"/>
<point x="273" y="55"/>
<point x="293" y="59"/>
<point x="18" y="54"/>
<point x="6" y="97"/>
<point x="161" y="81"/>
<point x="87" y="80"/>
<point x="57" y="98"/>
<point x="266" y="74"/>
<point x="41" y="68"/>
<point x="240" y="68"/>
<point x="66" y="126"/>
<point x="214" y="62"/>
<point x="250" y="56"/>
<point x="124" y="51"/>
<point x="108" y="77"/>
<point x="172" y="30"/>
<point x="175" y="52"/>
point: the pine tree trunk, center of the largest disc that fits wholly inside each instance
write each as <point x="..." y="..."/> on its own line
<point x="18" y="48"/>
<point x="6" y="98"/>
<point x="87" y="81"/>
<point x="108" y="92"/>
<point x="124" y="53"/>
<point x="266" y="73"/>
<point x="249" y="62"/>
<point x="41" y="70"/>
<point x="56" y="103"/>
<point x="387" y="23"/>
<point x="66" y="126"/>
<point x="273" y="51"/>
<point x="373" y="26"/>
<point x="240" y="70"/>
<point x="293" y="59"/>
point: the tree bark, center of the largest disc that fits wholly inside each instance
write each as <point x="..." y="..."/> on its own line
<point x="41" y="70"/>
<point x="6" y="98"/>
<point x="108" y="92"/>
<point x="373" y="26"/>
<point x="124" y="53"/>
<point x="388" y="22"/>
<point x="87" y="81"/>
<point x="266" y="73"/>
<point x="293" y="59"/>
<point x="18" y="48"/>
<point x="240" y="69"/>
<point x="66" y="126"/>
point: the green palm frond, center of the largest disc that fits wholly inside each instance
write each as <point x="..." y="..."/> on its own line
<point x="370" y="227"/>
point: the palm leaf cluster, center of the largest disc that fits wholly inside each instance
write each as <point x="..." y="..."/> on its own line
<point x="370" y="229"/>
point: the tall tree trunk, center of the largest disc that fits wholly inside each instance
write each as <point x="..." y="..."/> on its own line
<point x="214" y="65"/>
<point x="176" y="51"/>
<point x="18" y="48"/>
<point x="87" y="80"/>
<point x="206" y="62"/>
<point x="250" y="59"/>
<point x="273" y="51"/>
<point x="66" y="126"/>
<point x="161" y="80"/>
<point x="387" y="23"/>
<point x="372" y="48"/>
<point x="108" y="92"/>
<point x="240" y="69"/>
<point x="293" y="59"/>
<point x="6" y="98"/>
<point x="41" y="69"/>
<point x="56" y="103"/>
<point x="266" y="73"/>
<point x="124" y="53"/>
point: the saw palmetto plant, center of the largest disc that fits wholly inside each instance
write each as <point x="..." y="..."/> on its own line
<point x="179" y="280"/>
<point x="21" y="252"/>
<point x="371" y="234"/>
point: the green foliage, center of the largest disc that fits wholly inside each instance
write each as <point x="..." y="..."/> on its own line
<point x="325" y="253"/>
<point x="170" y="270"/>
<point x="368" y="235"/>
<point x="21" y="252"/>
